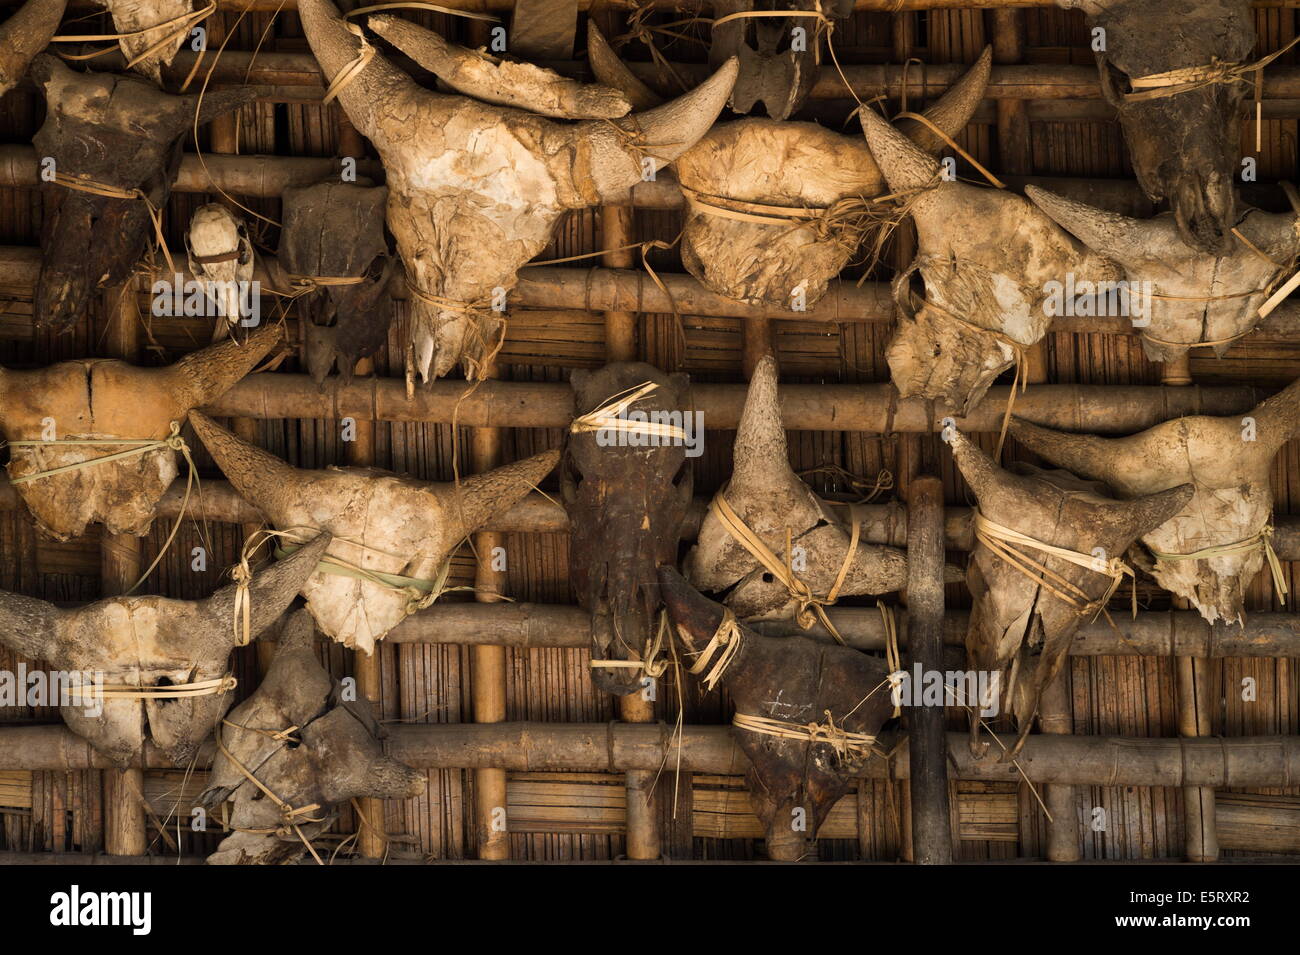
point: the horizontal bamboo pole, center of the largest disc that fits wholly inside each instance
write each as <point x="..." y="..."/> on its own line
<point x="859" y="6"/>
<point x="619" y="747"/>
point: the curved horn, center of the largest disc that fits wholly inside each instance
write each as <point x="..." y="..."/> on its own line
<point x="205" y="375"/>
<point x="662" y="133"/>
<point x="257" y="475"/>
<point x="904" y="164"/>
<point x="609" y="69"/>
<point x="1107" y="233"/>
<point x="503" y="82"/>
<point x="386" y="778"/>
<point x="24" y="35"/>
<point x="760" y="436"/>
<point x="1084" y="454"/>
<point x="695" y="617"/>
<point x="269" y="592"/>
<point x="29" y="626"/>
<point x="985" y="478"/>
<point x="482" y="496"/>
<point x="1144" y="514"/>
<point x="1277" y="420"/>
<point x="335" y="47"/>
<point x="954" y="109"/>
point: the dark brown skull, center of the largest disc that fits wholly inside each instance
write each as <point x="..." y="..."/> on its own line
<point x="626" y="504"/>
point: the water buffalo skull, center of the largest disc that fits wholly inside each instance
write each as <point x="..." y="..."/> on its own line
<point x="150" y="642"/>
<point x="302" y="740"/>
<point x="220" y="257"/>
<point x="626" y="495"/>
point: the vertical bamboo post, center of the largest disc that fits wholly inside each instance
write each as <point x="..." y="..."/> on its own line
<point x="617" y="228"/>
<point x="927" y="742"/>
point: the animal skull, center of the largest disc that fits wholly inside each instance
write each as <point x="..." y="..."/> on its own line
<point x="150" y="642"/>
<point x="1196" y="297"/>
<point x="336" y="230"/>
<point x="150" y="23"/>
<point x="381" y="522"/>
<point x="333" y="754"/>
<point x="220" y="257"/>
<point x="987" y="256"/>
<point x="771" y="499"/>
<point x="1227" y="460"/>
<point x="117" y="131"/>
<point x="98" y="398"/>
<point x="476" y="190"/>
<point x="1184" y="147"/>
<point x="626" y="501"/>
<point x="796" y="680"/>
<point x="1019" y="628"/>
<point x="25" y="34"/>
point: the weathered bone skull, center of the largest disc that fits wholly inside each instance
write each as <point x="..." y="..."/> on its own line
<point x="336" y="230"/>
<point x="156" y="18"/>
<point x="381" y="522"/>
<point x="987" y="256"/>
<point x="333" y="754"/>
<point x="221" y="257"/>
<point x="25" y="34"/>
<point x="1184" y="147"/>
<point x="795" y="680"/>
<point x="626" y="495"/>
<point x="149" y="642"/>
<point x="94" y="398"/>
<point x="1205" y="300"/>
<point x="1019" y="628"/>
<point x="770" y="498"/>
<point x="1227" y="460"/>
<point x="476" y="190"/>
<point x="121" y="132"/>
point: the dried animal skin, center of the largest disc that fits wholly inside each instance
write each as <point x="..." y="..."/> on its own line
<point x="332" y="755"/>
<point x="24" y="35"/>
<point x="118" y="132"/>
<point x="1184" y="147"/>
<point x="1196" y="297"/>
<point x="381" y="522"/>
<point x="1228" y="460"/>
<point x="1019" y="628"/>
<point x="150" y="642"/>
<point x="795" y="680"/>
<point x="771" y="499"/>
<point x="475" y="190"/>
<point x="99" y="398"/>
<point x="215" y="234"/>
<point x="150" y="22"/>
<point x="626" y="503"/>
<point x="987" y="256"/>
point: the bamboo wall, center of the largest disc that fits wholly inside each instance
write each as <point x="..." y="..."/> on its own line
<point x="581" y="816"/>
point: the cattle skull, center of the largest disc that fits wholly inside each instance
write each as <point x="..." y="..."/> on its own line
<point x="769" y="497"/>
<point x="1019" y="628"/>
<point x="94" y="398"/>
<point x="25" y="34"/>
<point x="221" y="258"/>
<point x="626" y="495"/>
<point x="306" y="743"/>
<point x="475" y="190"/>
<point x="150" y="642"/>
<point x="1194" y="296"/>
<point x="796" y="680"/>
<point x="987" y="257"/>
<point x="1184" y="147"/>
<point x="1228" y="461"/>
<point x="381" y="522"/>
<point x="114" y="131"/>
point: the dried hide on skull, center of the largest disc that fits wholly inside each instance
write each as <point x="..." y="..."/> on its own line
<point x="333" y="248"/>
<point x="1227" y="521"/>
<point x="308" y="748"/>
<point x="1046" y="559"/>
<point x="153" y="30"/>
<point x="53" y="418"/>
<point x="767" y="497"/>
<point x="161" y="665"/>
<point x="116" y="144"/>
<point x="626" y="492"/>
<point x="475" y="190"/>
<point x="393" y="534"/>
<point x="988" y="257"/>
<point x="25" y="34"/>
<point x="1168" y="68"/>
<point x="1185" y="296"/>
<point x="807" y="712"/>
<point x="221" y="258"/>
